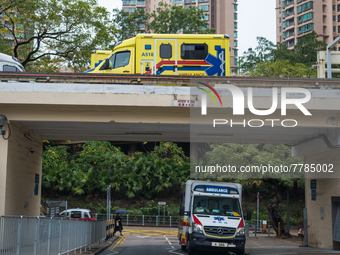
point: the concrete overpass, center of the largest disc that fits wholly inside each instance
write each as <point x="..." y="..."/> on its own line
<point x="79" y="111"/>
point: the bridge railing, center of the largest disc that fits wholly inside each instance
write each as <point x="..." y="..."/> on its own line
<point x="20" y="235"/>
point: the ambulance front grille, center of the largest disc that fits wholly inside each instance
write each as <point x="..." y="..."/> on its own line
<point x="219" y="231"/>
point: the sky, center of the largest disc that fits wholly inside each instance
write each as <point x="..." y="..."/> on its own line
<point x="255" y="18"/>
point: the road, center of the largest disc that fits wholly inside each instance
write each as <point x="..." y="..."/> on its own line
<point x="145" y="242"/>
<point x="162" y="241"/>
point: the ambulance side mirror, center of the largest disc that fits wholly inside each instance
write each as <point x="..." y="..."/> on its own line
<point x="181" y="211"/>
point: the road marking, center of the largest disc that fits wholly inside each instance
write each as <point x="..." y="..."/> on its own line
<point x="119" y="241"/>
<point x="124" y="238"/>
<point x="172" y="247"/>
<point x="151" y="232"/>
<point x="142" y="236"/>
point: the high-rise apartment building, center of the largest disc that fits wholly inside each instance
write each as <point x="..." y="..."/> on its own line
<point x="221" y="15"/>
<point x="295" y="18"/>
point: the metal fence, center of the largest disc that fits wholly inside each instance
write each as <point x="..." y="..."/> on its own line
<point x="145" y="220"/>
<point x="21" y="235"/>
<point x="150" y="220"/>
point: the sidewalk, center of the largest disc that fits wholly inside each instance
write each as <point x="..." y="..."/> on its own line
<point x="97" y="247"/>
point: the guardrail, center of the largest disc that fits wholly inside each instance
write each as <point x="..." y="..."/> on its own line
<point x="21" y="235"/>
<point x="150" y="220"/>
<point x="145" y="220"/>
<point x="138" y="79"/>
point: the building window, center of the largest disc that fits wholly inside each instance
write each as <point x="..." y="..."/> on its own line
<point x="205" y="8"/>
<point x="235" y="15"/>
<point x="235" y="34"/>
<point x="280" y="19"/>
<point x="140" y="2"/>
<point x="305" y="28"/>
<point x="132" y="2"/>
<point x="305" y="7"/>
<point x="334" y="8"/>
<point x="203" y="1"/>
<point x="334" y="29"/>
<point x="305" y="17"/>
<point x="338" y="7"/>
<point x="235" y="52"/>
<point x="194" y="51"/>
<point x="235" y="7"/>
<point x="235" y="25"/>
<point x="205" y="17"/>
<point x="334" y="18"/>
<point x="235" y="43"/>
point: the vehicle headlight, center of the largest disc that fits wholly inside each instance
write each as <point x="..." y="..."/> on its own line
<point x="240" y="232"/>
<point x="197" y="228"/>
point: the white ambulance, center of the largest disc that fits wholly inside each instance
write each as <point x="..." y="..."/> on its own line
<point x="211" y="217"/>
<point x="10" y="64"/>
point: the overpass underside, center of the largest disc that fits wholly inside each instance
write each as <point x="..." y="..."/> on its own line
<point x="47" y="111"/>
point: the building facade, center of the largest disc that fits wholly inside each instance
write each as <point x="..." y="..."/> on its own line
<point x="295" y="18"/>
<point x="221" y="15"/>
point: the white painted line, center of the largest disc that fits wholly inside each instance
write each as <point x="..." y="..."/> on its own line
<point x="172" y="248"/>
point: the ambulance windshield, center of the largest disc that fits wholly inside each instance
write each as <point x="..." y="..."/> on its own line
<point x="217" y="206"/>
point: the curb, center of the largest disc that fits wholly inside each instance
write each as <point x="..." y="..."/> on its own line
<point x="103" y="247"/>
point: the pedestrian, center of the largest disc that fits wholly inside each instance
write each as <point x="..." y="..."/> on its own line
<point x="118" y="224"/>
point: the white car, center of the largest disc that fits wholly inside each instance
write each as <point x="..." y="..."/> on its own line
<point x="83" y="214"/>
<point x="10" y="64"/>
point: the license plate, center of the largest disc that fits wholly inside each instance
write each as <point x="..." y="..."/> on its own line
<point x="219" y="244"/>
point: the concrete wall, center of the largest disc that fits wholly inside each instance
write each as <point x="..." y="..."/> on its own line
<point x="320" y="229"/>
<point x="17" y="173"/>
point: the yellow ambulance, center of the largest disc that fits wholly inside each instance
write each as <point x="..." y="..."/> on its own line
<point x="166" y="54"/>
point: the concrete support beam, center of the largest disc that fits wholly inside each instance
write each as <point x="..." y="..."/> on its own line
<point x="18" y="169"/>
<point x="319" y="211"/>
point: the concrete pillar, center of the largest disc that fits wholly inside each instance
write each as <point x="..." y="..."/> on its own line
<point x="132" y="149"/>
<point x="319" y="211"/>
<point x="19" y="168"/>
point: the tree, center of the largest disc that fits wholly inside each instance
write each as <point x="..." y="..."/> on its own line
<point x="282" y="68"/>
<point x="65" y="30"/>
<point x="173" y="19"/>
<point x="263" y="52"/>
<point x="269" y="58"/>
<point x="254" y="155"/>
<point x="306" y="49"/>
<point x="128" y="25"/>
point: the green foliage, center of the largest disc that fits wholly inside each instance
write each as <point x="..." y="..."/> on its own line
<point x="99" y="164"/>
<point x="282" y="68"/>
<point x="269" y="60"/>
<point x="129" y="25"/>
<point x="64" y="30"/>
<point x="172" y="19"/>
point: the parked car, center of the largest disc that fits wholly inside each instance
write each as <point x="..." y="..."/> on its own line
<point x="10" y="64"/>
<point x="80" y="214"/>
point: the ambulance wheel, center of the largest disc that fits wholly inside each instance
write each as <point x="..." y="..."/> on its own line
<point x="190" y="249"/>
<point x="183" y="247"/>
